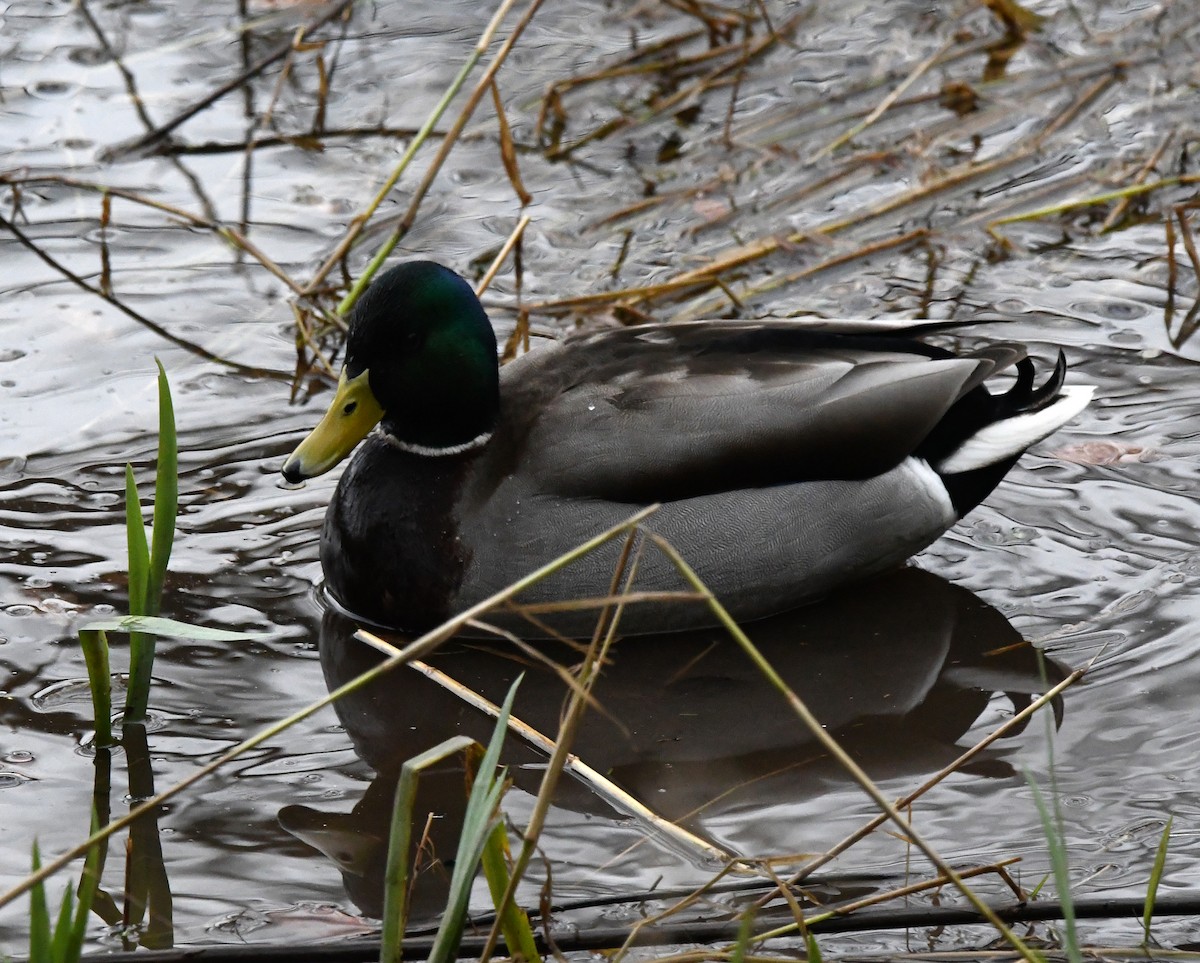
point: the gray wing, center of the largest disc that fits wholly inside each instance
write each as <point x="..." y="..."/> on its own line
<point x="664" y="413"/>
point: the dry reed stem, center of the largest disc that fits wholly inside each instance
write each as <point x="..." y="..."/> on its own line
<point x="305" y="337"/>
<point x="1172" y="273"/>
<point x="1189" y="244"/>
<point x="676" y="64"/>
<point x="877" y="899"/>
<point x="840" y="260"/>
<point x="536" y="657"/>
<point x="659" y="105"/>
<point x="789" y="897"/>
<point x="115" y="58"/>
<point x="508" y="150"/>
<point x="1192" y="319"/>
<point x="306" y="141"/>
<point x="510" y="242"/>
<point x="1080" y="103"/>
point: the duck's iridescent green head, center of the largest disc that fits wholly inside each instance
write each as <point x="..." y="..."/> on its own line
<point x="420" y="360"/>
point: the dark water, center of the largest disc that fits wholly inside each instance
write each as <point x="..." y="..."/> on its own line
<point x="1089" y="548"/>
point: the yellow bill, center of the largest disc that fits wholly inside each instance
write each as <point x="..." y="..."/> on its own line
<point x="352" y="413"/>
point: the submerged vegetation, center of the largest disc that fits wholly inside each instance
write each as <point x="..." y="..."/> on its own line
<point x="731" y="197"/>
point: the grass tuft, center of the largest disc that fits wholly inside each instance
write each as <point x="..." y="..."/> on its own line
<point x="62" y="940"/>
<point x="148" y="563"/>
<point x="482" y="839"/>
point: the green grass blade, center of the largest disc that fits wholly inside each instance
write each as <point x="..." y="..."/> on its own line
<point x="141" y="649"/>
<point x="95" y="653"/>
<point x="170" y="628"/>
<point x="1053" y="827"/>
<point x="814" y="951"/>
<point x="39" y="917"/>
<point x="148" y="565"/>
<point x="478" y="822"/>
<point x="151" y="564"/>
<point x="166" y="496"/>
<point x="514" y="922"/>
<point x="1160" y="862"/>
<point x="138" y="549"/>
<point x="395" y="879"/>
<point x="60" y="940"/>
<point x="745" y="929"/>
<point x="1036" y="891"/>
<point x="141" y="671"/>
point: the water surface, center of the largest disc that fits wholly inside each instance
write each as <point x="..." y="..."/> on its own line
<point x="1088" y="549"/>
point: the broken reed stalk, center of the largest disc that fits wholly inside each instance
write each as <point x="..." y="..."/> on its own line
<point x="760" y="248"/>
<point x="837" y="752"/>
<point x="419" y="648"/>
<point x="745" y="253"/>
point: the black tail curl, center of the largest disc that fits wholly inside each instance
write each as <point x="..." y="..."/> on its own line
<point x="979" y="408"/>
<point x="1022" y="397"/>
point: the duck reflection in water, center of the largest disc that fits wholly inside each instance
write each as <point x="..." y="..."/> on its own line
<point x="898" y="669"/>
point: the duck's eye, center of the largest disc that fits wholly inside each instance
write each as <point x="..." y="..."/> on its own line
<point x="350" y="406"/>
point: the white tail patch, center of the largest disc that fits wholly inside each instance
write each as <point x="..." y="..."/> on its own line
<point x="1003" y="439"/>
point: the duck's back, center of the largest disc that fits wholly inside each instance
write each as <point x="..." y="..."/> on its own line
<point x="780" y="458"/>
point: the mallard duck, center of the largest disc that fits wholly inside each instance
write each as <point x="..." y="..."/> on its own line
<point x="787" y="461"/>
